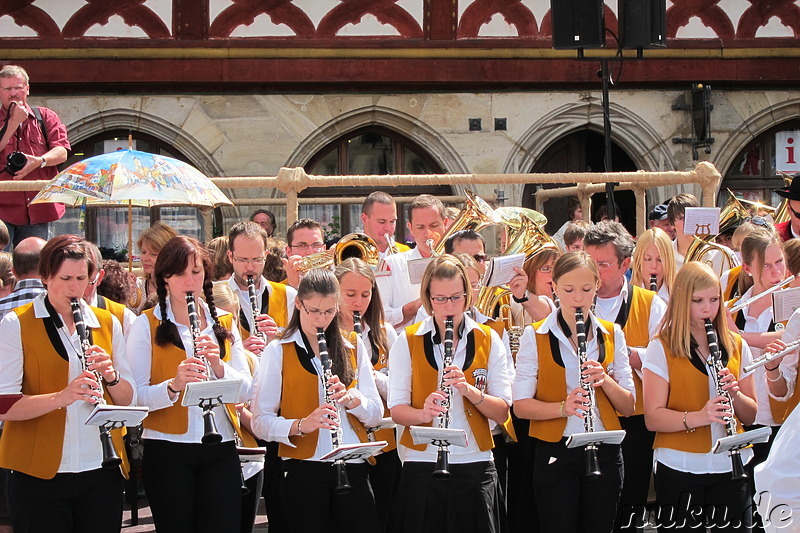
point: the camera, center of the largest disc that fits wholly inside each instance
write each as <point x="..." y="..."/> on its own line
<point x="16" y="161"/>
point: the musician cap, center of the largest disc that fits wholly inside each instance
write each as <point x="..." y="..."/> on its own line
<point x="792" y="192"/>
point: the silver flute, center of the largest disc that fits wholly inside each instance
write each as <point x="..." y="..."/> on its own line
<point x="110" y="457"/>
<point x="592" y="464"/>
<point x="342" y="482"/>
<point x="210" y="433"/>
<point x="744" y="303"/>
<point x="715" y="362"/>
<point x="442" y="456"/>
<point x="767" y="357"/>
<point x="251" y="292"/>
<point x="653" y="283"/>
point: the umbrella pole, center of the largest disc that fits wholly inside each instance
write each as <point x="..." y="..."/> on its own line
<point x="130" y="236"/>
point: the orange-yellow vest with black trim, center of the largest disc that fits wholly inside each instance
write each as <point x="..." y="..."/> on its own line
<point x="35" y="446"/>
<point x="174" y="420"/>
<point x="689" y="391"/>
<point x="116" y="309"/>
<point x="552" y="386"/>
<point x="425" y="380"/>
<point x="733" y="280"/>
<point x="300" y="396"/>
<point x="508" y="426"/>
<point x="277" y="307"/>
<point x="637" y="333"/>
<point x="383" y="434"/>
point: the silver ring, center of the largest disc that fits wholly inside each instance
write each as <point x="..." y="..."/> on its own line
<point x="322" y="419"/>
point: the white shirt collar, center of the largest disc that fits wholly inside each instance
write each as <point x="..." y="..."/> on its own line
<point x="89" y="318"/>
<point x="297" y="337"/>
<point x="427" y="326"/>
<point x="551" y="324"/>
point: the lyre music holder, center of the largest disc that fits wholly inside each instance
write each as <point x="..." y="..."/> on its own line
<point x="577" y="440"/>
<point x="439" y="436"/>
<point x="210" y="394"/>
<point x="350" y="452"/>
<point x="109" y="417"/>
<point x="742" y="440"/>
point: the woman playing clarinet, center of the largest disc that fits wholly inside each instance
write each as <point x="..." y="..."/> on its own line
<point x="479" y="390"/>
<point x="690" y="405"/>
<point x="57" y="480"/>
<point x="653" y="265"/>
<point x="315" y="392"/>
<point x="559" y="359"/>
<point x="192" y="484"/>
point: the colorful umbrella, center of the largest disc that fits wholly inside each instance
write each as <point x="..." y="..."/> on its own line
<point x="131" y="178"/>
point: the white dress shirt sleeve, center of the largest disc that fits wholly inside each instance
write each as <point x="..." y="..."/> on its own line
<point x="527" y="370"/>
<point x="266" y="423"/>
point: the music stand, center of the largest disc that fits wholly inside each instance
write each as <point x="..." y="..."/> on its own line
<point x="110" y="417"/>
<point x="742" y="440"/>
<point x="577" y="440"/>
<point x="385" y="423"/>
<point x="350" y="452"/>
<point x="251" y="455"/>
<point x="439" y="436"/>
<point x="209" y="394"/>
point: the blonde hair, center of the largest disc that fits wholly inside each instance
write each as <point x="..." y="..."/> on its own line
<point x="444" y="267"/>
<point x="743" y="230"/>
<point x="156" y="236"/>
<point x="675" y="331"/>
<point x="662" y="242"/>
<point x="573" y="261"/>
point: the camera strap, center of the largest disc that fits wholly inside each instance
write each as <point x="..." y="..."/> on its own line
<point x="36" y="113"/>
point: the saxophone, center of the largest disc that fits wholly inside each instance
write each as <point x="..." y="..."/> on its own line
<point x="442" y="456"/>
<point x="592" y="463"/>
<point x="342" y="482"/>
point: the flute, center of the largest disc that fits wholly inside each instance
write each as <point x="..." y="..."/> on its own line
<point x="715" y="362"/>
<point x="741" y="305"/>
<point x="653" y="283"/>
<point x="592" y="464"/>
<point x="210" y="434"/>
<point x="767" y="357"/>
<point x="442" y="456"/>
<point x="251" y="292"/>
<point x="342" y="482"/>
<point x="110" y="457"/>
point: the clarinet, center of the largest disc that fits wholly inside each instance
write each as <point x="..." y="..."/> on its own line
<point x="110" y="457"/>
<point x="653" y="283"/>
<point x="592" y="465"/>
<point x="251" y="291"/>
<point x="442" y="456"/>
<point x="715" y="362"/>
<point x="357" y="323"/>
<point x="342" y="483"/>
<point x="210" y="434"/>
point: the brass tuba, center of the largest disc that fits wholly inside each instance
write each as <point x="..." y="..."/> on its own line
<point x="358" y="245"/>
<point x="731" y="215"/>
<point x="476" y="215"/>
<point x="782" y="213"/>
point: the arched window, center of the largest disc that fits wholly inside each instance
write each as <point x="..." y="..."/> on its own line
<point x="752" y="175"/>
<point x="369" y="150"/>
<point x="108" y="227"/>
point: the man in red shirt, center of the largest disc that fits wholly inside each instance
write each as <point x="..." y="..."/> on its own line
<point x="42" y="143"/>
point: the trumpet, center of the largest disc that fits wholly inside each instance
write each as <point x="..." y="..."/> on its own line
<point x="251" y="292"/>
<point x="715" y="362"/>
<point x="430" y="244"/>
<point x="342" y="482"/>
<point x="592" y="464"/>
<point x="741" y="305"/>
<point x="767" y="358"/>
<point x="442" y="456"/>
<point x="392" y="248"/>
<point x="210" y="433"/>
<point x="110" y="457"/>
<point x="653" y="283"/>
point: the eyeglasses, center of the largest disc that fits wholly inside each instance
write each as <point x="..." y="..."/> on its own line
<point x="480" y="258"/>
<point x="605" y="265"/>
<point x="319" y="312"/>
<point x="456" y="298"/>
<point x="255" y="261"/>
<point x="317" y="246"/>
<point x="546" y="269"/>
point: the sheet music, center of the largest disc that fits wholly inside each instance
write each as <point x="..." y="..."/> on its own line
<point x="501" y="269"/>
<point x="784" y="303"/>
<point x="701" y="221"/>
<point x="416" y="268"/>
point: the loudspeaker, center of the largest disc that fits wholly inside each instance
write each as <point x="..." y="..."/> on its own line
<point x="578" y="24"/>
<point x="643" y="23"/>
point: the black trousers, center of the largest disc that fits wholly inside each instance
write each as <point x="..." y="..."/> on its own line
<point x="522" y="517"/>
<point x="566" y="500"/>
<point x="250" y="501"/>
<point x="312" y="506"/>
<point x="466" y="502"/>
<point x="637" y="454"/>
<point x="193" y="487"/>
<point x="687" y="502"/>
<point x="271" y="489"/>
<point x="384" y="477"/>
<point x="500" y="455"/>
<point x="85" y="501"/>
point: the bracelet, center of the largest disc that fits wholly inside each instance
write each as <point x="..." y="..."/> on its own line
<point x="774" y="368"/>
<point x="561" y="409"/>
<point x="524" y="298"/>
<point x="299" y="429"/>
<point x="114" y="381"/>
<point x="483" y="397"/>
<point x="688" y="429"/>
<point x="780" y="375"/>
<point x="169" y="388"/>
<point x="347" y="405"/>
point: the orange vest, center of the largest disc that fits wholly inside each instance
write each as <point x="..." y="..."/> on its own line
<point x="733" y="280"/>
<point x="299" y="397"/>
<point x="508" y="426"/>
<point x="688" y="391"/>
<point x="277" y="307"/>
<point x="637" y="334"/>
<point x="382" y="434"/>
<point x="35" y="446"/>
<point x="174" y="420"/>
<point x="425" y="379"/>
<point x="116" y="309"/>
<point x="552" y="386"/>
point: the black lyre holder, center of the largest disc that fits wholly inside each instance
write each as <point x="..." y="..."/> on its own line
<point x="210" y="433"/>
<point x="110" y="457"/>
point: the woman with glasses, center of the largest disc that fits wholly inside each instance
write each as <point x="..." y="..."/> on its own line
<point x="537" y="301"/>
<point x="191" y="486"/>
<point x="290" y="407"/>
<point x="480" y="394"/>
<point x="548" y="391"/>
<point x="653" y="256"/>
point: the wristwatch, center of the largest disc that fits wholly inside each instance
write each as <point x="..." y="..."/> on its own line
<point x="44" y="162"/>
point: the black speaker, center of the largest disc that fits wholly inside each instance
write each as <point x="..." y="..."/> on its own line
<point x="643" y="23"/>
<point x="578" y="24"/>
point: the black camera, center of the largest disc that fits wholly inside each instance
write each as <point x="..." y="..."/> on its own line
<point x="16" y="161"/>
